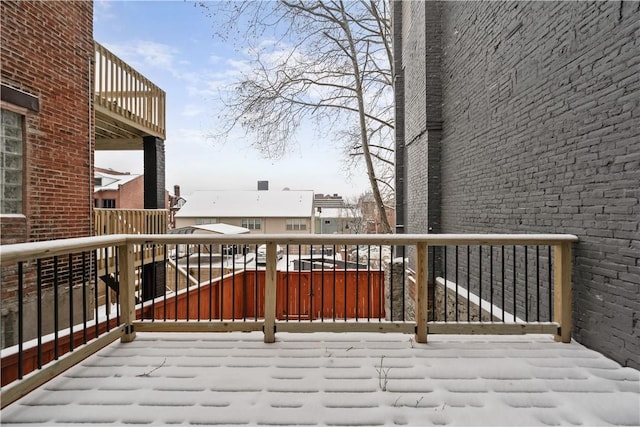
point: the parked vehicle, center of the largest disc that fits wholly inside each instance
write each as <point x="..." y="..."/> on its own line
<point x="261" y="256"/>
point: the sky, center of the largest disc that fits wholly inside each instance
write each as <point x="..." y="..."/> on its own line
<point x="172" y="44"/>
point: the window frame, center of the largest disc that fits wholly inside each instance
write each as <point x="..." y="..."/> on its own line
<point x="251" y="223"/>
<point x="296" y="224"/>
<point x="24" y="113"/>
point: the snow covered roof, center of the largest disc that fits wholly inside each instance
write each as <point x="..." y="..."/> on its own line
<point x="336" y="379"/>
<point x="222" y="228"/>
<point x="339" y="213"/>
<point x="261" y="204"/>
<point x="112" y="181"/>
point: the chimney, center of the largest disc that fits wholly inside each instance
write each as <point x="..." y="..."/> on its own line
<point x="176" y="191"/>
<point x="263" y="185"/>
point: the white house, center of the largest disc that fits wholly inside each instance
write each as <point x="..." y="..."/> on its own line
<point x="265" y="212"/>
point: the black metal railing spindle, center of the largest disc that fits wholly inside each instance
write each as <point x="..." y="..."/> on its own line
<point x="480" y="283"/>
<point x="20" y="318"/>
<point x="210" y="302"/>
<point x="70" y="267"/>
<point x="56" y="314"/>
<point x="322" y="283"/>
<point x="491" y="283"/>
<point x="96" y="295"/>
<point x="549" y="274"/>
<point x="445" y="307"/>
<point x="199" y="299"/>
<point x="456" y="279"/>
<point x="502" y="281"/>
<point x="526" y="284"/>
<point x="39" y="310"/>
<point x="84" y="298"/>
<point x="515" y="278"/>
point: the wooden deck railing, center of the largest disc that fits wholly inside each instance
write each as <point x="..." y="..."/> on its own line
<point x="130" y="221"/>
<point x="125" y="94"/>
<point x="70" y="266"/>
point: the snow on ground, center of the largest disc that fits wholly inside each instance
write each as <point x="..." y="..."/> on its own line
<point x="337" y="379"/>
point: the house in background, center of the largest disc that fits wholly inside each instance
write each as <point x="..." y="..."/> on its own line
<point x="524" y="117"/>
<point x="334" y="216"/>
<point x="261" y="211"/>
<point x="118" y="190"/>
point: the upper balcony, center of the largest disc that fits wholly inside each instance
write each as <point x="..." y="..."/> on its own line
<point x="128" y="106"/>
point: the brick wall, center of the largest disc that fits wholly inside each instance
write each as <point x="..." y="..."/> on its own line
<point x="45" y="48"/>
<point x="541" y="133"/>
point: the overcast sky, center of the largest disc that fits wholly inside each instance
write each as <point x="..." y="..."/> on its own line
<point x="172" y="44"/>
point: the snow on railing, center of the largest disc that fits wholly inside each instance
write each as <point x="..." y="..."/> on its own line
<point x="308" y="283"/>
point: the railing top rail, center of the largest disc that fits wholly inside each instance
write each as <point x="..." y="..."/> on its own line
<point x="25" y="251"/>
<point x="353" y="239"/>
<point x="32" y="250"/>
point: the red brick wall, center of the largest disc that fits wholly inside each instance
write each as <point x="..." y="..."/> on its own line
<point x="132" y="194"/>
<point x="46" y="47"/>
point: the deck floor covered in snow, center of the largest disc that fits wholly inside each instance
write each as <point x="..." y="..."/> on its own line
<point x="336" y="379"/>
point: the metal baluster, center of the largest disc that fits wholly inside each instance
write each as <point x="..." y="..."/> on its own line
<point x="502" y="281"/>
<point x="56" y="350"/>
<point x="538" y="283"/>
<point x="211" y="278"/>
<point x="39" y="313"/>
<point x="445" y="307"/>
<point x="515" y="278"/>
<point x="84" y="298"/>
<point x="287" y="301"/>
<point x="70" y="263"/>
<point x="456" y="279"/>
<point x="526" y="285"/>
<point x="199" y="281"/>
<point x="491" y="282"/>
<point x="480" y="282"/>
<point x="95" y="292"/>
<point x="322" y="284"/>
<point x="550" y="273"/>
<point x="468" y="283"/>
<point x="333" y="308"/>
<point x="311" y="286"/>
<point x="20" y="318"/>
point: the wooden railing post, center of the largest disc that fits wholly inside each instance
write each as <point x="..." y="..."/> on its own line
<point x="422" y="294"/>
<point x="127" y="290"/>
<point x="270" y="295"/>
<point x="562" y="290"/>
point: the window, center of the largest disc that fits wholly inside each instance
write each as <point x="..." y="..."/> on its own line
<point x="203" y="221"/>
<point x="109" y="203"/>
<point x="251" y="223"/>
<point x="11" y="155"/>
<point x="296" y="224"/>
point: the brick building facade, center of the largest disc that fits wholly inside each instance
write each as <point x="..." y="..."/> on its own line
<point x="524" y="117"/>
<point x="47" y="51"/>
<point x="46" y="79"/>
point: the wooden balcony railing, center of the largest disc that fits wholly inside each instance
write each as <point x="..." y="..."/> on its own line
<point x="130" y="221"/>
<point x="519" y="284"/>
<point x="127" y="104"/>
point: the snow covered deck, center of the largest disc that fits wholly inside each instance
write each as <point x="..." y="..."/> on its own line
<point x="349" y="379"/>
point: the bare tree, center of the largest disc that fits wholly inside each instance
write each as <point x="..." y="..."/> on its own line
<point x="325" y="61"/>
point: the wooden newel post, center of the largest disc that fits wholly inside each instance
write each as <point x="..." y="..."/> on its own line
<point x="422" y="294"/>
<point x="270" y="295"/>
<point x="126" y="271"/>
<point x="562" y="291"/>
